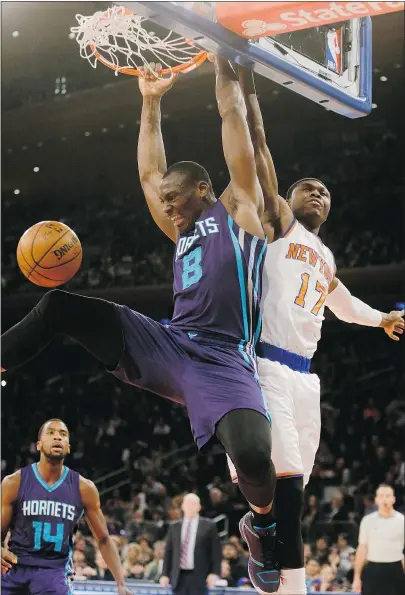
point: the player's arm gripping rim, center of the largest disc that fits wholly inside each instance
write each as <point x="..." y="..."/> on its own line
<point x="245" y="202"/>
<point x="151" y="151"/>
<point x="9" y="492"/>
<point x="98" y="526"/>
<point x="277" y="216"/>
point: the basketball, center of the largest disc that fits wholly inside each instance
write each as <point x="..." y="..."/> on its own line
<point x="49" y="253"/>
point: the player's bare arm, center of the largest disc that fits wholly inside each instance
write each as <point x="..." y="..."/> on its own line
<point x="277" y="216"/>
<point x="98" y="526"/>
<point x="9" y="491"/>
<point x="350" y="309"/>
<point x="245" y="202"/>
<point x="151" y="151"/>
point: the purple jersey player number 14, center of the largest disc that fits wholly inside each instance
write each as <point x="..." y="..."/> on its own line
<point x="45" y="519"/>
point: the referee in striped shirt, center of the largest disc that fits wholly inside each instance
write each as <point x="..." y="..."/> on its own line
<point x="379" y="564"/>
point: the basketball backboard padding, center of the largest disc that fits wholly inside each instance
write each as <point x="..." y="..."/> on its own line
<point x="259" y="19"/>
<point x="262" y="59"/>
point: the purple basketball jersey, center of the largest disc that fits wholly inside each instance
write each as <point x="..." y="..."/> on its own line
<point x="45" y="518"/>
<point x="218" y="279"/>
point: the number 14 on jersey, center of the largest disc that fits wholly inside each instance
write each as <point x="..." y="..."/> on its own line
<point x="302" y="300"/>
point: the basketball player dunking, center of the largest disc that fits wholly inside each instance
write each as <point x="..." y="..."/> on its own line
<point x="40" y="506"/>
<point x="205" y="356"/>
<point x="299" y="279"/>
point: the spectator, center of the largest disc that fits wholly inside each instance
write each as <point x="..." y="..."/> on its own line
<point x="312" y="569"/>
<point x="322" y="550"/>
<point x="137" y="571"/>
<point x="349" y="578"/>
<point x="174" y="513"/>
<point x="82" y="570"/>
<point x="334" y="559"/>
<point x="345" y="550"/>
<point x="131" y="562"/>
<point x="327" y="578"/>
<point x="335" y="510"/>
<point x="226" y="573"/>
<point x="237" y="563"/>
<point x="369" y="504"/>
<point x="146" y="553"/>
<point x="242" y="552"/>
<point x="312" y="511"/>
<point x="155" y="568"/>
<point x="137" y="526"/>
<point x="114" y="525"/>
<point x="311" y="515"/>
<point x="217" y="503"/>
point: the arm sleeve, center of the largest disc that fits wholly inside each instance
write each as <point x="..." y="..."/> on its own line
<point x="363" y="533"/>
<point x="350" y="309"/>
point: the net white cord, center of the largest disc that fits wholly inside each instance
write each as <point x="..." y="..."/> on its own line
<point x="118" y="35"/>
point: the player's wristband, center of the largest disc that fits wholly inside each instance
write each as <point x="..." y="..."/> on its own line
<point x="350" y="309"/>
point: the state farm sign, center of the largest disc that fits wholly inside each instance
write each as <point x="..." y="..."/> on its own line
<point x="257" y="19"/>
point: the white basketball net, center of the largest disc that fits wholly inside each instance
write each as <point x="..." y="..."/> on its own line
<point x="119" y="37"/>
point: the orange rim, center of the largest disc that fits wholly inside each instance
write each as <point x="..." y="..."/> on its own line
<point x="193" y="63"/>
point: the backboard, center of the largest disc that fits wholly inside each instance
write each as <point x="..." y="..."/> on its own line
<point x="321" y="50"/>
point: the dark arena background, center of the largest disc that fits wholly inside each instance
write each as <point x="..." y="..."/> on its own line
<point x="69" y="141"/>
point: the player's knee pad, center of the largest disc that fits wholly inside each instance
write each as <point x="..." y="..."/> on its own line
<point x="289" y="504"/>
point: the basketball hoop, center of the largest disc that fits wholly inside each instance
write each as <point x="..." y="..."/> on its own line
<point x="118" y="39"/>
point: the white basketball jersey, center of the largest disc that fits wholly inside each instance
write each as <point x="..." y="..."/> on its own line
<point x="297" y="272"/>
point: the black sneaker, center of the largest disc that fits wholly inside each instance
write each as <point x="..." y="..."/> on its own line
<point x="264" y="569"/>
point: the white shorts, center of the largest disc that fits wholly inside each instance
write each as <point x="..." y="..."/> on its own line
<point x="293" y="401"/>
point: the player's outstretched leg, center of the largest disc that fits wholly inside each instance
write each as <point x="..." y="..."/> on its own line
<point x="94" y="323"/>
<point x="246" y="437"/>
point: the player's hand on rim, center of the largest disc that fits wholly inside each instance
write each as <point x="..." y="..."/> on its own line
<point x="151" y="84"/>
<point x="393" y="324"/>
<point x="8" y="559"/>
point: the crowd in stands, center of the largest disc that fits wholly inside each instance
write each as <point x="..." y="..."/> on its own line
<point x="329" y="565"/>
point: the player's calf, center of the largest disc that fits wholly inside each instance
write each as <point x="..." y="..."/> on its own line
<point x="289" y="503"/>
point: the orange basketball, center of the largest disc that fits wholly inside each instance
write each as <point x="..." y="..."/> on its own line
<point x="49" y="253"/>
